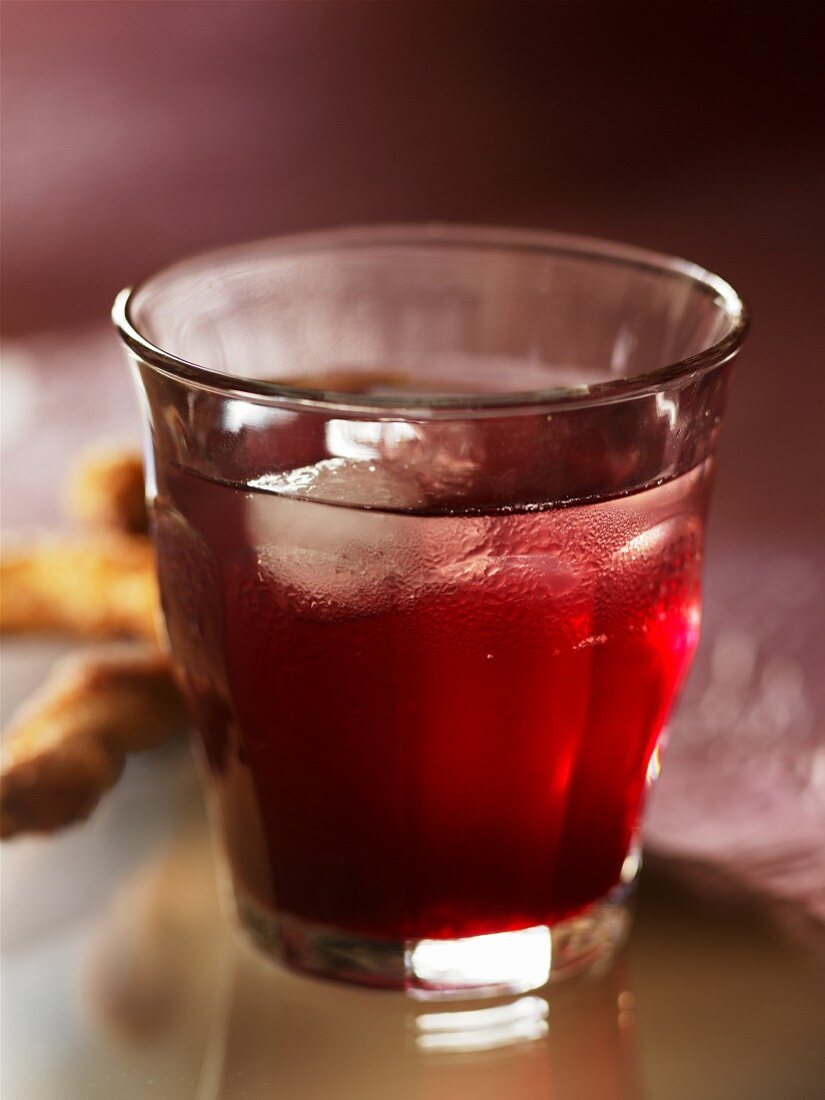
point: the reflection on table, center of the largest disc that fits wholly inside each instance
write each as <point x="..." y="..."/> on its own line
<point x="164" y="962"/>
<point x="146" y="990"/>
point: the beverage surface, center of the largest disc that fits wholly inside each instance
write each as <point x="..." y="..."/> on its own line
<point x="426" y="725"/>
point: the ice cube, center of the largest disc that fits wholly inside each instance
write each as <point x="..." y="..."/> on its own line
<point x="446" y="460"/>
<point x="540" y="575"/>
<point x="326" y="533"/>
<point x="436" y="461"/>
<point x="357" y="483"/>
<point x="662" y="545"/>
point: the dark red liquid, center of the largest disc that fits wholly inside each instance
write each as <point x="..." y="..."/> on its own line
<point x="429" y="726"/>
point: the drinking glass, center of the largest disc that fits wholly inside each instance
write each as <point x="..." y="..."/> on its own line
<point x="428" y="505"/>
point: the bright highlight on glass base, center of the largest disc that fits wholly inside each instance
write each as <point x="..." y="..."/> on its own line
<point x="475" y="966"/>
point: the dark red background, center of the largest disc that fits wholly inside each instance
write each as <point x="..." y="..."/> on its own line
<point x="137" y="131"/>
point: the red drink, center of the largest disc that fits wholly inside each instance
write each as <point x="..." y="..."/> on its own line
<point x="429" y="517"/>
<point x="427" y="726"/>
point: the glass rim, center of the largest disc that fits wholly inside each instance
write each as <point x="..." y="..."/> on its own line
<point x="262" y="391"/>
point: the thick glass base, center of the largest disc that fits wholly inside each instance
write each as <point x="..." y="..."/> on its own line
<point x="478" y="966"/>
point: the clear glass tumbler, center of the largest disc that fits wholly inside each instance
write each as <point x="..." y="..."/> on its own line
<point x="428" y="506"/>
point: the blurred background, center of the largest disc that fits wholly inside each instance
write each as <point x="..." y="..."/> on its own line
<point x="135" y="132"/>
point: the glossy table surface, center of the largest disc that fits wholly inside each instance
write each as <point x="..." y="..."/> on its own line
<point x="121" y="977"/>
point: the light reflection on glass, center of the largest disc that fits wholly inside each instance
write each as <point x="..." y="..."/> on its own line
<point x="516" y="960"/>
<point x="631" y="865"/>
<point x="654" y="767"/>
<point x="667" y="408"/>
<point x="365" y="439"/>
<point x="483" y="1029"/>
